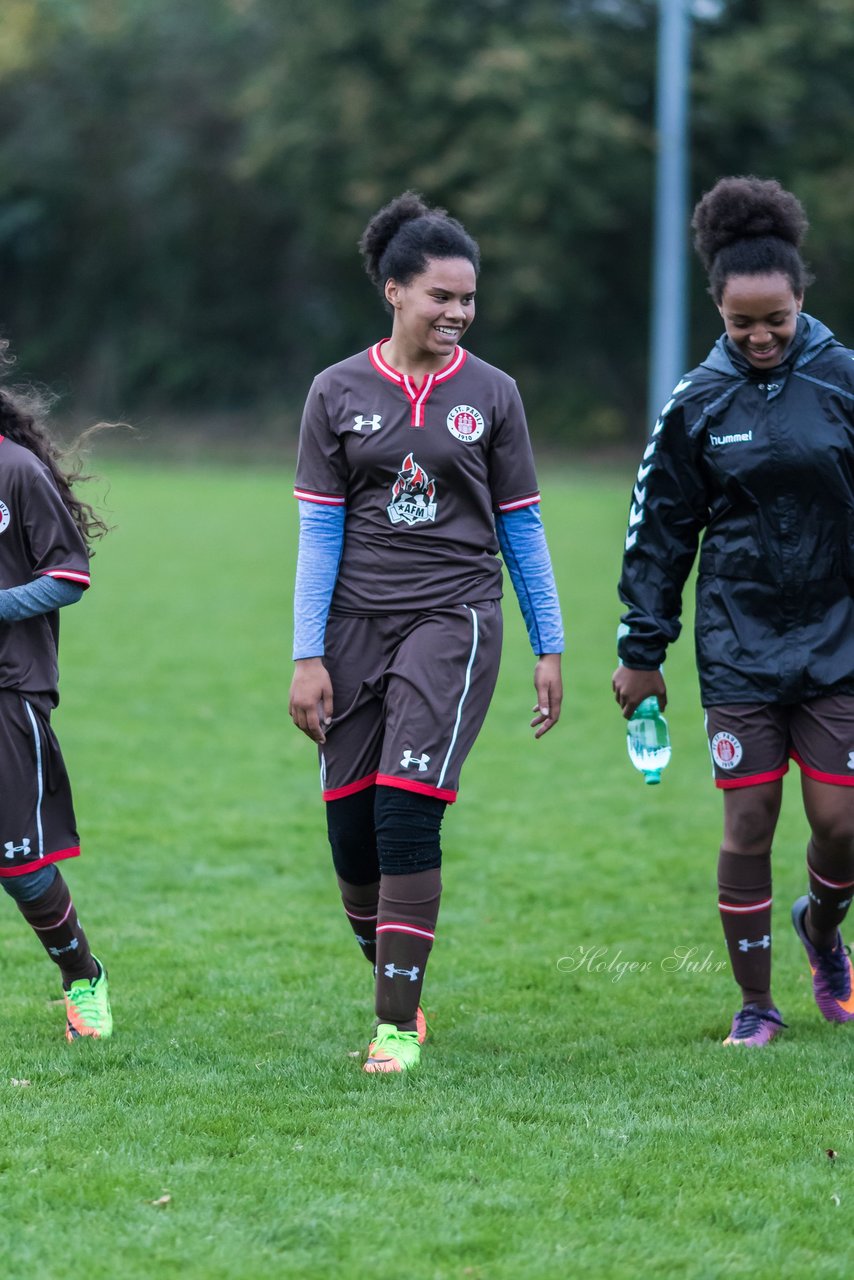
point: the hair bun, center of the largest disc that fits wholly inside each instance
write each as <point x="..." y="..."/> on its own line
<point x="384" y="226"/>
<point x="744" y="208"/>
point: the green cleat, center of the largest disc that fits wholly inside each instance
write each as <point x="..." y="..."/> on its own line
<point x="87" y="1007"/>
<point x="393" y="1050"/>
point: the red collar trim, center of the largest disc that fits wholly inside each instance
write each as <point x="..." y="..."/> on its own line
<point x="416" y="395"/>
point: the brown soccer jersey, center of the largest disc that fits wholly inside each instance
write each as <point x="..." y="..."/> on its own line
<point x="37" y="536"/>
<point x="421" y="469"/>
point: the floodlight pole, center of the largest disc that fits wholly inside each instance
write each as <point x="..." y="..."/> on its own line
<point x="669" y="311"/>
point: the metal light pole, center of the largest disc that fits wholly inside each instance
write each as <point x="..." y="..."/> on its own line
<point x="669" y="312"/>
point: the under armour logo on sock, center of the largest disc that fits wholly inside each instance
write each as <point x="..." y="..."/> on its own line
<point x="744" y="945"/>
<point x="842" y="906"/>
<point x="815" y="898"/>
<point x="23" y="847"/>
<point x="411" y="974"/>
<point x="409" y="758"/>
<point x="60" y="951"/>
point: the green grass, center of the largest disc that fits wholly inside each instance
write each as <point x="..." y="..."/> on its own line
<point x="568" y="1120"/>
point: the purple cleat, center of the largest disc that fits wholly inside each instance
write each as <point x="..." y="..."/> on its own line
<point x="831" y="970"/>
<point x="755" y="1027"/>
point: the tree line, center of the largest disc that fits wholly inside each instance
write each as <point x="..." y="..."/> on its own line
<point x="182" y="186"/>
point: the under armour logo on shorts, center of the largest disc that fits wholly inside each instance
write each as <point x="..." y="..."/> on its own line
<point x="409" y="758"/>
<point x="23" y="847"/>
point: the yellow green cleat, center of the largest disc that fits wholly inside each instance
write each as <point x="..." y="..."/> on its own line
<point x="87" y="1007"/>
<point x="392" y="1050"/>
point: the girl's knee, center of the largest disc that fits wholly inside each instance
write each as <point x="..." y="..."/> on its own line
<point x="750" y="819"/>
<point x="833" y="834"/>
<point x="33" y="885"/>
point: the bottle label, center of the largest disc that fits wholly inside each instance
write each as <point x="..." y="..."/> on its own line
<point x="726" y="750"/>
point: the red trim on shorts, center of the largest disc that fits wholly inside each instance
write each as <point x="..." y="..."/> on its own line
<point x="362" y="784"/>
<point x="7" y="872"/>
<point x="755" y="779"/>
<point x="423" y="788"/>
<point x="835" y="779"/>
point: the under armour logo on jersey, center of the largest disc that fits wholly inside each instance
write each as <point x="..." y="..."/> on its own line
<point x="851" y="759"/>
<point x="409" y="758"/>
<point x="764" y="943"/>
<point x="374" y="422"/>
<point x="412" y="974"/>
<point x="23" y="847"/>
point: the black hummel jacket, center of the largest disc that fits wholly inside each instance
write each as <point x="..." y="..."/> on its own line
<point x="761" y="463"/>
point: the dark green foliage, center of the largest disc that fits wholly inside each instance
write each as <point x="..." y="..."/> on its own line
<point x="182" y="186"/>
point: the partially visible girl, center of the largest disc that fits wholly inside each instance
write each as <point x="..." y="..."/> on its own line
<point x="45" y="533"/>
<point x="754" y="455"/>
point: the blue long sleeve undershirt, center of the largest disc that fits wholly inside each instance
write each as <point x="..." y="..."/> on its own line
<point x="523" y="546"/>
<point x="522" y="540"/>
<point x="42" y="596"/>
<point x="321" y="541"/>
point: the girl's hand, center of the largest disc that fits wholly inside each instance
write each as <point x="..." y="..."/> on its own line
<point x="548" y="683"/>
<point x="631" y="686"/>
<point x="310" y="704"/>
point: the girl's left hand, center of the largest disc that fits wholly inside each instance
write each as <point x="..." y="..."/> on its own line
<point x="548" y="683"/>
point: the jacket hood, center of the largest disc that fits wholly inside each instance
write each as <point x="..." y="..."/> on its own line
<point x="811" y="337"/>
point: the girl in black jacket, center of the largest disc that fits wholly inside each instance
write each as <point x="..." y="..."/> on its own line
<point x="755" y="452"/>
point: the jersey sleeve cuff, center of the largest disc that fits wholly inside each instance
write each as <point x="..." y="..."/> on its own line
<point x="69" y="575"/>
<point x="516" y="504"/>
<point x="323" y="499"/>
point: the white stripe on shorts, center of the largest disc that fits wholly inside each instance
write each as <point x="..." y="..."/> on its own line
<point x="39" y="773"/>
<point x="463" y="695"/>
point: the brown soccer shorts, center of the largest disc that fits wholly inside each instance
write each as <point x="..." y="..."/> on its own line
<point x="411" y="692"/>
<point x="751" y="743"/>
<point x="37" y="824"/>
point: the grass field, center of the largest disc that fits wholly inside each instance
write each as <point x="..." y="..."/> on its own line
<point x="576" y="1114"/>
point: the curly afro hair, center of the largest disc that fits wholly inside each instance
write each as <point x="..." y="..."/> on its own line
<point x="750" y="226"/>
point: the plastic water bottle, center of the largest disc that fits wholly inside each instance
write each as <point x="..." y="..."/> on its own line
<point x="648" y="741"/>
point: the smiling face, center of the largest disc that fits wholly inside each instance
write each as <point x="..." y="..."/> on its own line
<point x="432" y="312"/>
<point x="760" y="314"/>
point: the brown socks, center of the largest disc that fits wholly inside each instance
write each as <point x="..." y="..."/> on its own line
<point x="406" y="925"/>
<point x="831" y="889"/>
<point x="54" y="920"/>
<point x="360" y="903"/>
<point x="744" y="900"/>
